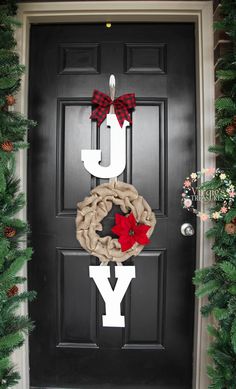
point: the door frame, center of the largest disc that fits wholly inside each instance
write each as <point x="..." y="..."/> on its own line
<point x="198" y="12"/>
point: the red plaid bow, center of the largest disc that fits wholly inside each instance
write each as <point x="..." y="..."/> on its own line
<point x="121" y="105"/>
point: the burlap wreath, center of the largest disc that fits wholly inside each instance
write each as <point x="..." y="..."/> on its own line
<point x="93" y="209"/>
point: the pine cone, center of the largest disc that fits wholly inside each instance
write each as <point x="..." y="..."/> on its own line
<point x="10" y="100"/>
<point x="13" y="291"/>
<point x="7" y="146"/>
<point x="233" y="220"/>
<point x="230" y="130"/>
<point x="230" y="228"/>
<point x="9" y="232"/>
<point x="234" y="120"/>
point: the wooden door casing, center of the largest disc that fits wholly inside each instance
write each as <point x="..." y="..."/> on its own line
<point x="156" y="61"/>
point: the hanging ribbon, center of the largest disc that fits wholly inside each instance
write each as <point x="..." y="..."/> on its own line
<point x="121" y="105"/>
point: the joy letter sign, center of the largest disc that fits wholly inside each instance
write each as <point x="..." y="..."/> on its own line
<point x="118" y="121"/>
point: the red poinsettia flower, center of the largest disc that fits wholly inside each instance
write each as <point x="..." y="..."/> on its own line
<point x="129" y="231"/>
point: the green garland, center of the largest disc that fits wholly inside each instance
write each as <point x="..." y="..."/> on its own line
<point x="218" y="282"/>
<point x="13" y="256"/>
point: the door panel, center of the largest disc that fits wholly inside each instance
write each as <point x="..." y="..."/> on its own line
<point x="69" y="347"/>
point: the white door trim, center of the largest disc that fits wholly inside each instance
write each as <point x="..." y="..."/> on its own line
<point x="199" y="12"/>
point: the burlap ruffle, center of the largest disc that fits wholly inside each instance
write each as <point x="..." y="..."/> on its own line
<point x="93" y="209"/>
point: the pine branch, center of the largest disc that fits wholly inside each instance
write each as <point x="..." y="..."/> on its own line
<point x="13" y="128"/>
<point x="218" y="282"/>
<point x="229" y="270"/>
<point x="226" y="75"/>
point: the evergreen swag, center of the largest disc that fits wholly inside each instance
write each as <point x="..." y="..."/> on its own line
<point x="218" y="282"/>
<point x="13" y="127"/>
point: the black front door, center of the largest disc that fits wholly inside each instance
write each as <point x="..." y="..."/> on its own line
<point x="69" y="348"/>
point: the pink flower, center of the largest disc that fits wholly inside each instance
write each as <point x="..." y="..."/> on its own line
<point x="183" y="194"/>
<point x="187" y="183"/>
<point x="203" y="217"/>
<point x="224" y="210"/>
<point x="210" y="171"/>
<point x="187" y="203"/>
<point x="232" y="194"/>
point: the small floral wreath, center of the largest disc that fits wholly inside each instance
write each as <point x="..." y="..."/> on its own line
<point x="133" y="229"/>
<point x="225" y="193"/>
